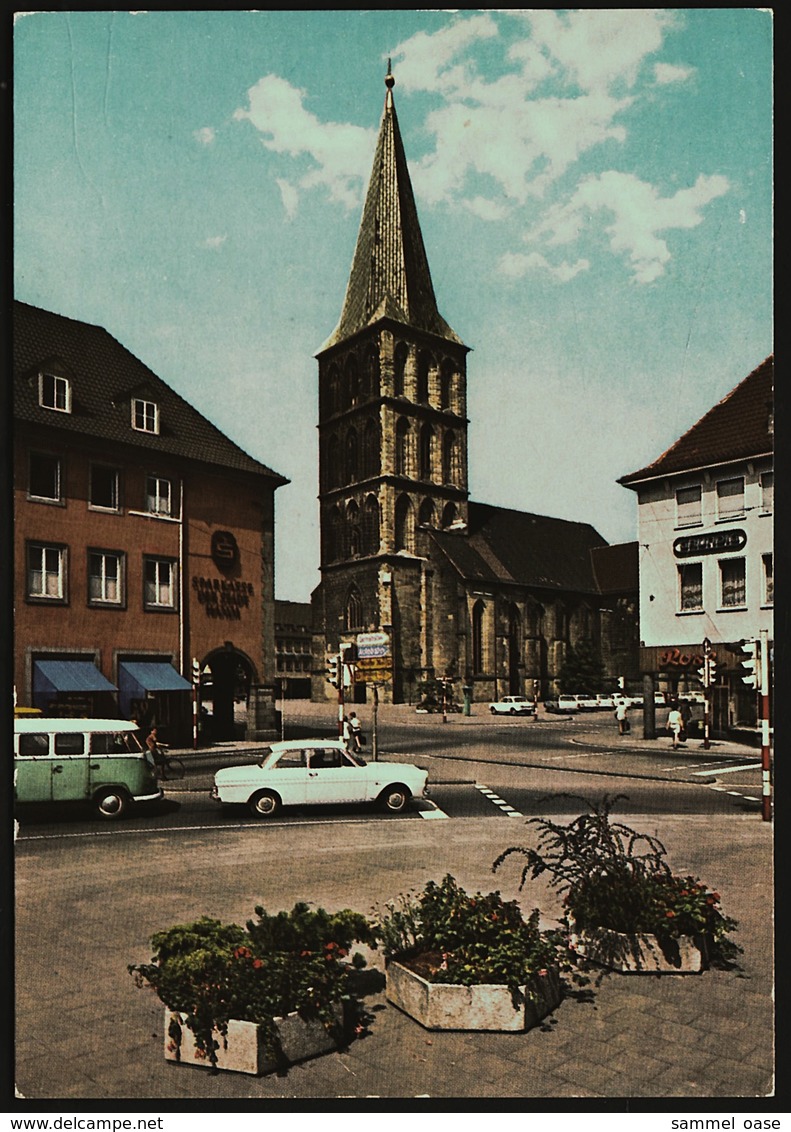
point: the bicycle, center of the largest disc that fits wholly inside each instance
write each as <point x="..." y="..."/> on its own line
<point x="168" y="767"/>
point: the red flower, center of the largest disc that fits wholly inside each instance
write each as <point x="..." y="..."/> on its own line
<point x="670" y="914"/>
<point x="258" y="964"/>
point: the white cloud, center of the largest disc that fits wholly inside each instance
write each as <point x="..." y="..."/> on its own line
<point x="424" y="61"/>
<point x="638" y="214"/>
<point x="665" y="73"/>
<point x="205" y="135"/>
<point x="515" y="265"/>
<point x="340" y="152"/>
<point x="289" y="194"/>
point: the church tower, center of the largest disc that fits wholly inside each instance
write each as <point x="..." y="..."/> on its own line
<point x="392" y="431"/>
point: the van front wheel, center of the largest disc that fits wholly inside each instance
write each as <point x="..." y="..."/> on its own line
<point x="111" y="802"/>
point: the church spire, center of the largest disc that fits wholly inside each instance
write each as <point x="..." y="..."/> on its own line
<point x="390" y="276"/>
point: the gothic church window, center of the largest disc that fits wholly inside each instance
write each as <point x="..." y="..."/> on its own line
<point x="450" y="459"/>
<point x="351" y="456"/>
<point x="446" y="385"/>
<point x="426" y="436"/>
<point x="333" y="466"/>
<point x="448" y="515"/>
<point x="353" y="532"/>
<point x="426" y="514"/>
<point x="404" y="524"/>
<point x="371" y="449"/>
<point x="372" y="372"/>
<point x="402" y="447"/>
<point x="353" y="615"/>
<point x="371" y="526"/>
<point x="399" y="369"/>
<point x="477" y="636"/>
<point x="423" y="366"/>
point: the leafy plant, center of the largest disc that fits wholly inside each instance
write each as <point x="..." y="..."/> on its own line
<point x="613" y="877"/>
<point x="210" y="972"/>
<point x="452" y="937"/>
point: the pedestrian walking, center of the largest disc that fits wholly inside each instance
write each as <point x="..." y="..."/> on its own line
<point x="346" y="734"/>
<point x="355" y="728"/>
<point x="621" y="715"/>
<point x="675" y="724"/>
<point x="686" y="716"/>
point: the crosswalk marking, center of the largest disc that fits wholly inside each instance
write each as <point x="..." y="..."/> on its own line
<point x="507" y="809"/>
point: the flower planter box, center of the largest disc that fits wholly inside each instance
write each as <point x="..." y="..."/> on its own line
<point x="244" y="1050"/>
<point x="485" y="1006"/>
<point x="637" y="953"/>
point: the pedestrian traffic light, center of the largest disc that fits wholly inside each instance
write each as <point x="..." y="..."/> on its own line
<point x="332" y="669"/>
<point x="751" y="663"/>
<point x="195" y="671"/>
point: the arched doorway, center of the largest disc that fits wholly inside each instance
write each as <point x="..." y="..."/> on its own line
<point x="232" y="673"/>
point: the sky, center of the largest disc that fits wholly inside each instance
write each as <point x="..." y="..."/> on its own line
<point x="594" y="190"/>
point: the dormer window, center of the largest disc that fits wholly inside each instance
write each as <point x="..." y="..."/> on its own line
<point x="54" y="392"/>
<point x="145" y="416"/>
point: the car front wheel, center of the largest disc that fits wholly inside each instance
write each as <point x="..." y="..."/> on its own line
<point x="493" y="710"/>
<point x="394" y="799"/>
<point x="264" y="804"/>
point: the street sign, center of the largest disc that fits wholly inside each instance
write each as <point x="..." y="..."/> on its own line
<point x="367" y="651"/>
<point x="378" y="669"/>
<point x="373" y="639"/>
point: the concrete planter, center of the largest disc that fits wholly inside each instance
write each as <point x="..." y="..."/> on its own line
<point x="638" y="954"/>
<point x="244" y="1049"/>
<point x="485" y="1006"/>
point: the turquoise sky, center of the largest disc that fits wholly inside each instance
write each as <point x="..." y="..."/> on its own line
<point x="594" y="189"/>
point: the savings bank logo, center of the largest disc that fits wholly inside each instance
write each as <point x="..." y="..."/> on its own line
<point x="224" y="550"/>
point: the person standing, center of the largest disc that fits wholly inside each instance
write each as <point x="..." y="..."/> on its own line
<point x="675" y="724"/>
<point x="355" y="728"/>
<point x="621" y="715"/>
<point x="347" y="734"/>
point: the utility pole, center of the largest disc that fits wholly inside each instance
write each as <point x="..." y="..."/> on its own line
<point x="766" y="756"/>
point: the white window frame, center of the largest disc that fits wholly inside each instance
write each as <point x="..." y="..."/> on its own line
<point x="105" y="580"/>
<point x="155" y="498"/>
<point x="767" y="481"/>
<point x="725" y="513"/>
<point x="58" y="497"/>
<point x="60" y="401"/>
<point x="145" y="415"/>
<point x="116" y="506"/>
<point x="160" y="590"/>
<point x="767" y="562"/>
<point x="724" y="564"/>
<point x="688" y="517"/>
<point x="48" y="562"/>
<point x="682" y="607"/>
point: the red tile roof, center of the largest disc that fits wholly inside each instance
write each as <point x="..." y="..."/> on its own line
<point x="739" y="427"/>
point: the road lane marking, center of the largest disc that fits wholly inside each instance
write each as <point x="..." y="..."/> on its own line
<point x="436" y="814"/>
<point x="507" y="809"/>
<point x="727" y="769"/>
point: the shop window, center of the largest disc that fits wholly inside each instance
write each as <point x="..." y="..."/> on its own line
<point x="688" y="506"/>
<point x="44" y="483"/>
<point x="104" y="488"/>
<point x="159" y="583"/>
<point x="690" y="577"/>
<point x="46" y="572"/>
<point x="54" y="392"/>
<point x="145" y="415"/>
<point x="769" y="586"/>
<point x="105" y="577"/>
<point x="730" y="498"/>
<point x="733" y="587"/>
<point x="159" y="496"/>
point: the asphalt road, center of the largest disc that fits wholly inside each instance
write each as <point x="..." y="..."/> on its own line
<point x="493" y="769"/>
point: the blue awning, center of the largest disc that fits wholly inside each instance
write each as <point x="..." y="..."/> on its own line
<point x="52" y="676"/>
<point x="140" y="676"/>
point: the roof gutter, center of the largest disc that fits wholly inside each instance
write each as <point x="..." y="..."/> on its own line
<point x="636" y="477"/>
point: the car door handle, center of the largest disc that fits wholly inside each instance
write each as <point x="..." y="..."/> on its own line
<point x="94" y="766"/>
<point x="313" y="774"/>
<point x="57" y="770"/>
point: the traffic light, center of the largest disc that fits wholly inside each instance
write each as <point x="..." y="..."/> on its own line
<point x="708" y="673"/>
<point x="622" y="682"/>
<point x="751" y="663"/>
<point x="332" y="669"/>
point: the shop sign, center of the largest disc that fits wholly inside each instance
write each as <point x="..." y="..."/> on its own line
<point x="716" y="542"/>
<point x="222" y="598"/>
<point x="686" y="659"/>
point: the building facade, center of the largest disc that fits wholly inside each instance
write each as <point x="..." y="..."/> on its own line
<point x="705" y="519"/>
<point x="488" y="598"/>
<point x="293" y="649"/>
<point x="143" y="542"/>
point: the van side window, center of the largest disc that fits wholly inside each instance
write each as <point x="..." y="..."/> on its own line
<point x="102" y="743"/>
<point x="69" y="743"/>
<point x="34" y="744"/>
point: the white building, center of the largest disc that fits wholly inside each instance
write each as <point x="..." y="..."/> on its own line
<point x="705" y="531"/>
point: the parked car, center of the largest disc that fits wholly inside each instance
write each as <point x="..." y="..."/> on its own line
<point x="586" y="703"/>
<point x="512" y="705"/>
<point x="567" y="703"/>
<point x="605" y="700"/>
<point x="309" y="772"/>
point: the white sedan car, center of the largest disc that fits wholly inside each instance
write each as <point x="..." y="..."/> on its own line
<point x="512" y="705"/>
<point x="317" y="772"/>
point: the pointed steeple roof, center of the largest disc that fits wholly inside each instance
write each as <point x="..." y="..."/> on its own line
<point x="390" y="276"/>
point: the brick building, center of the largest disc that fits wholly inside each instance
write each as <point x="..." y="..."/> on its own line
<point x="143" y="540"/>
<point x="490" y="597"/>
<point x="293" y="649"/>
